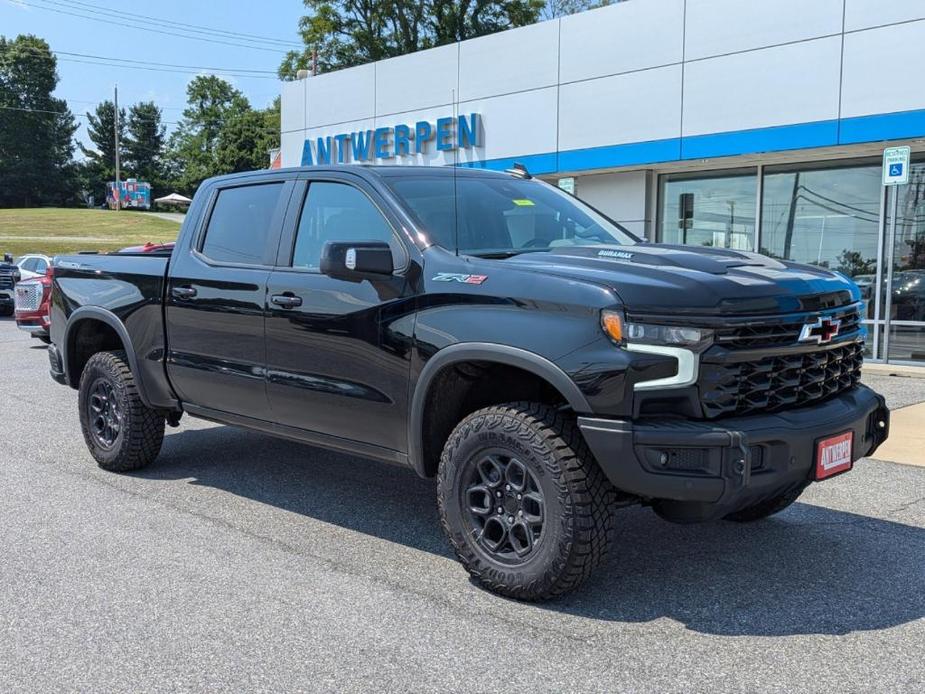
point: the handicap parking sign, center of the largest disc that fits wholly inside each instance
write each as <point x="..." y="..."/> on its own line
<point x="896" y="166"/>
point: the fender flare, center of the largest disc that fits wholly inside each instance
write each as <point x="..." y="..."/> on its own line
<point x="112" y="320"/>
<point x="482" y="351"/>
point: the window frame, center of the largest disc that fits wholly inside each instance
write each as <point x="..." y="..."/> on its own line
<point x="273" y="230"/>
<point x="286" y="250"/>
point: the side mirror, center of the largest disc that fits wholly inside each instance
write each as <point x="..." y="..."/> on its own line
<point x="339" y="258"/>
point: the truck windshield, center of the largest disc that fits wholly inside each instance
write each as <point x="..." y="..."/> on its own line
<point x="499" y="217"/>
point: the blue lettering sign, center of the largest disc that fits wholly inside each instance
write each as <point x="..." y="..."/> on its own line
<point x="360" y="144"/>
<point x="307" y="153"/>
<point x="445" y="134"/>
<point x="341" y="141"/>
<point x="423" y="131"/>
<point x="467" y="133"/>
<point x="382" y="143"/>
<point x="462" y="132"/>
<point x="323" y="149"/>
<point x="402" y="140"/>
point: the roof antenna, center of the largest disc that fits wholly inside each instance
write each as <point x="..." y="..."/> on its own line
<point x="455" y="172"/>
<point x="519" y="170"/>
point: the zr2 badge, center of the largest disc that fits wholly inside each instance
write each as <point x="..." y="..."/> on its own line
<point x="456" y="277"/>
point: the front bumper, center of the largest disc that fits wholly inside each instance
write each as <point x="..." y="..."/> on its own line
<point x="718" y="467"/>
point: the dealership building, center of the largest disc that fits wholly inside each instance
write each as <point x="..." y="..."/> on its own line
<point x="755" y="126"/>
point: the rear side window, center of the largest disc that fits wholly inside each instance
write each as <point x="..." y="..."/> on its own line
<point x="239" y="227"/>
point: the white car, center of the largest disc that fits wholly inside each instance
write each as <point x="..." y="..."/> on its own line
<point x="33" y="265"/>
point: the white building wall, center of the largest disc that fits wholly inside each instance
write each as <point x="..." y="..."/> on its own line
<point x="621" y="196"/>
<point x="641" y="83"/>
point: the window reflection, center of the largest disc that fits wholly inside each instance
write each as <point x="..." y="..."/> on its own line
<point x="825" y="216"/>
<point x="716" y="211"/>
<point x="908" y="254"/>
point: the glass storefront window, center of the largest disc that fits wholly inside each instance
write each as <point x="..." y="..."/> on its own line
<point x="824" y="216"/>
<point x="820" y="213"/>
<point x="908" y="252"/>
<point x="715" y="210"/>
<point x="907" y="343"/>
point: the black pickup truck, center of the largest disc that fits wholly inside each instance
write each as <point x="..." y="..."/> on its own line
<point x="486" y="329"/>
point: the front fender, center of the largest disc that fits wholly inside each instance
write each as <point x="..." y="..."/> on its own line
<point x="490" y="352"/>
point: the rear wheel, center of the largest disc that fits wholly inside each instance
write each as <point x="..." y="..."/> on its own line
<point x="524" y="504"/>
<point x="120" y="431"/>
<point x="768" y="507"/>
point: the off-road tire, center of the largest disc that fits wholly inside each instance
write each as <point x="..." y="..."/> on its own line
<point x="580" y="502"/>
<point x="141" y="431"/>
<point x="768" y="507"/>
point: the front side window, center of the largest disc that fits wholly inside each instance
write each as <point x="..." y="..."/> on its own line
<point x="336" y="212"/>
<point x="239" y="227"/>
<point x="502" y="216"/>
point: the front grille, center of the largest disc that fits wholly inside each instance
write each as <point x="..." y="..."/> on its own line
<point x="785" y="332"/>
<point x="29" y="296"/>
<point x="773" y="383"/>
<point x="6" y="281"/>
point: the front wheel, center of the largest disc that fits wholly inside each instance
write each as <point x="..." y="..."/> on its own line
<point x="120" y="431"/>
<point x="523" y="502"/>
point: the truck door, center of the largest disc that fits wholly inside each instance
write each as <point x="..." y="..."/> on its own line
<point x="338" y="348"/>
<point x="216" y="296"/>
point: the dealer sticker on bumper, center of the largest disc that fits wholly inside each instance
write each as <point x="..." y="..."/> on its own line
<point x="833" y="455"/>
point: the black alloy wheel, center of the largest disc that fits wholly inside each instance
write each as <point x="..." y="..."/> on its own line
<point x="121" y="432"/>
<point x="505" y="506"/>
<point x="104" y="413"/>
<point x="523" y="502"/>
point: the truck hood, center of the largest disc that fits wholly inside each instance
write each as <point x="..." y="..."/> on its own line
<point x="665" y="279"/>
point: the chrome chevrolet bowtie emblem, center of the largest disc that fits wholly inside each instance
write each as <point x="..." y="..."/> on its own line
<point x="821" y="331"/>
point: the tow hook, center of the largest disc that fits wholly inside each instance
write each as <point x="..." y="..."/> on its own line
<point x="741" y="459"/>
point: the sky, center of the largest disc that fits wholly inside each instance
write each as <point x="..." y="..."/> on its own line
<point x="84" y="85"/>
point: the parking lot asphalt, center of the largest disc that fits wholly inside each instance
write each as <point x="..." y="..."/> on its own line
<point x="238" y="562"/>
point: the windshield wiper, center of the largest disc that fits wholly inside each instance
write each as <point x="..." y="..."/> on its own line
<point x="507" y="254"/>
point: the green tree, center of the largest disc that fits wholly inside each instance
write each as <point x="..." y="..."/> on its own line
<point x="211" y="103"/>
<point x="144" y="145"/>
<point x="245" y="141"/>
<point x="352" y="32"/>
<point x="563" y="8"/>
<point x="36" y="129"/>
<point x="99" y="163"/>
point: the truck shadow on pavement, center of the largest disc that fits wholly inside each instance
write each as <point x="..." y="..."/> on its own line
<point x="810" y="570"/>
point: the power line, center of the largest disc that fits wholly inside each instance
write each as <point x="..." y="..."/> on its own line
<point x="86" y="115"/>
<point x="149" y="29"/>
<point x="188" y="26"/>
<point x="157" y="69"/>
<point x="42" y="51"/>
<point x="148" y="65"/>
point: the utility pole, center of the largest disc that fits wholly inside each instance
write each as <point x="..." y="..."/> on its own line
<point x="118" y="188"/>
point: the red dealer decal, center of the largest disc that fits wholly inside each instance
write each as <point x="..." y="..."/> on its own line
<point x="833" y="455"/>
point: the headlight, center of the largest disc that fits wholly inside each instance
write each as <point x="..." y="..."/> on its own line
<point x="665" y="334"/>
<point x="622" y="332"/>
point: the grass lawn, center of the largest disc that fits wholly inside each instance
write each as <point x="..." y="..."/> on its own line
<point x="54" y="231"/>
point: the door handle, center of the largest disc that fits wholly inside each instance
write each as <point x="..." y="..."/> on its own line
<point x="183" y="292"/>
<point x="287" y="300"/>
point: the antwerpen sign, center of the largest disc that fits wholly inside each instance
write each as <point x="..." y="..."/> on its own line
<point x="402" y="140"/>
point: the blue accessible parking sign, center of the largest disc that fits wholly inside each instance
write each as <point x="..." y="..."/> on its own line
<point x="896" y="166"/>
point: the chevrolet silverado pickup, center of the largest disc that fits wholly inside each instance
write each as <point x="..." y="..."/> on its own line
<point x="485" y="329"/>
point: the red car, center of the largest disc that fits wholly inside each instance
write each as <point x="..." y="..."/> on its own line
<point x="32" y="300"/>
